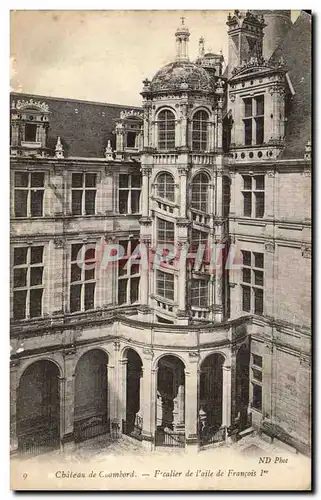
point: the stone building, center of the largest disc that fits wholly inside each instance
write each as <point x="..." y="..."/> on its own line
<point x="119" y="322"/>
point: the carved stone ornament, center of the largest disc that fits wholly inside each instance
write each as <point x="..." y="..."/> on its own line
<point x="131" y="113"/>
<point x="269" y="246"/>
<point x="25" y="104"/>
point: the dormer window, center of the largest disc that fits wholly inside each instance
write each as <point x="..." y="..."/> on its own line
<point x="29" y="125"/>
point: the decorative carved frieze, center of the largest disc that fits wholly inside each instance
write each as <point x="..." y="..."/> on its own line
<point x="30" y="103"/>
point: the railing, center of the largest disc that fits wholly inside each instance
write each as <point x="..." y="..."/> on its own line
<point x="212" y="435"/>
<point x="91" y="427"/>
<point x="203" y="159"/>
<point x="39" y="442"/>
<point x="200" y="218"/>
<point x="167" y="437"/>
<point x="165" y="158"/>
<point x="133" y="428"/>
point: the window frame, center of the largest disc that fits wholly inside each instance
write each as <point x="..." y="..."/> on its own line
<point x="82" y="282"/>
<point x="129" y="189"/>
<point x="30" y="190"/>
<point x="253" y="135"/>
<point x="251" y="207"/>
<point x="128" y="277"/>
<point x="28" y="288"/>
<point x="166" y="184"/>
<point x="167" y="277"/>
<point x="202" y="283"/>
<point x="257" y="383"/>
<point x="251" y="287"/>
<point x="200" y="144"/>
<point x="84" y="189"/>
<point x="168" y="142"/>
<point x="201" y="200"/>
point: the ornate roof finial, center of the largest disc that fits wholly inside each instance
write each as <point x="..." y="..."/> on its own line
<point x="59" y="150"/>
<point x="201" y="49"/>
<point x="182" y="36"/>
<point x="109" y="151"/>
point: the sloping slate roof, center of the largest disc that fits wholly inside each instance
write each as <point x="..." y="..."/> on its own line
<point x="84" y="133"/>
<point x="295" y="49"/>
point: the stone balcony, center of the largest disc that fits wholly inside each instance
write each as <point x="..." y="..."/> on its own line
<point x="260" y="153"/>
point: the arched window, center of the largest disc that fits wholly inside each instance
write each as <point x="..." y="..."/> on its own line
<point x="199" y="131"/>
<point x="200" y="192"/>
<point x="166" y="130"/>
<point x="165" y="186"/>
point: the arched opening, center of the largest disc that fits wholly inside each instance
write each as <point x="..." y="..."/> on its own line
<point x="199" y="131"/>
<point x="38" y="408"/>
<point x="166" y="130"/>
<point x="170" y="402"/>
<point x="211" y="398"/>
<point x="242" y="386"/>
<point x="166" y="186"/>
<point x="133" y="424"/>
<point x="91" y="395"/>
<point x="199" y="190"/>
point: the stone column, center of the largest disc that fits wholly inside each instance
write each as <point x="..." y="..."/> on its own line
<point x="191" y="401"/>
<point x="148" y="397"/>
<point x="226" y="403"/>
<point x="182" y="172"/>
<point x="146" y="127"/>
<point x="219" y="241"/>
<point x="122" y="390"/>
<point x="111" y="392"/>
<point x="144" y="276"/>
<point x="219" y="132"/>
<point x="182" y="315"/>
<point x="270" y="264"/>
<point x="67" y="399"/>
<point x="14" y="387"/>
<point x="183" y="125"/>
<point x="145" y="194"/>
<point x="269" y="194"/>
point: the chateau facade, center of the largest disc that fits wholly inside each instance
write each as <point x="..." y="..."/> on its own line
<point x="161" y="256"/>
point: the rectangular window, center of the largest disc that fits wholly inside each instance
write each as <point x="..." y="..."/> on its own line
<point x="259" y="126"/>
<point x="129" y="193"/>
<point x="27" y="282"/>
<point x="83" y="192"/>
<point x="199" y="293"/>
<point x="82" y="277"/>
<point x="165" y="232"/>
<point x="257" y="379"/>
<point x="30" y="132"/>
<point x="253" y="196"/>
<point x="29" y="188"/>
<point x="253" y="120"/>
<point x="257" y="397"/>
<point x="165" y="285"/>
<point x="128" y="273"/>
<point x="252" y="282"/>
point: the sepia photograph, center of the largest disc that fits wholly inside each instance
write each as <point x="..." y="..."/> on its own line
<point x="160" y="250"/>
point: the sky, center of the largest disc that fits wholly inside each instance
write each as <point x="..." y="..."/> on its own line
<point x="103" y="56"/>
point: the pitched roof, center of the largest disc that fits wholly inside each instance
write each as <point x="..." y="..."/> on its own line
<point x="295" y="49"/>
<point x="83" y="126"/>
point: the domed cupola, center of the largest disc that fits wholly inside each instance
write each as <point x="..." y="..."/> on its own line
<point x="180" y="75"/>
